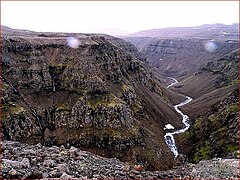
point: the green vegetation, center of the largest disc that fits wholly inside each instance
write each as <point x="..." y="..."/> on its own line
<point x="5" y="86"/>
<point x="104" y="132"/>
<point x="229" y="65"/>
<point x="233" y="108"/>
<point x="222" y="130"/>
<point x="103" y="99"/>
<point x="185" y="135"/>
<point x="70" y="58"/>
<point x="197" y="123"/>
<point x="203" y="153"/>
<point x="126" y="87"/>
<point x="232" y="148"/>
<point x="214" y="120"/>
<point x="136" y="107"/>
<point x="11" y="108"/>
<point x="214" y="130"/>
<point x="149" y="154"/>
<point x="16" y="109"/>
<point x="236" y="81"/>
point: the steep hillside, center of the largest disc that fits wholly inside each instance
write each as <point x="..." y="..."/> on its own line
<point x="214" y="82"/>
<point x="99" y="96"/>
<point x="214" y="133"/>
<point x="214" y="110"/>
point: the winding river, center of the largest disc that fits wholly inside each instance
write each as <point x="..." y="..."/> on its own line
<point x="169" y="138"/>
<point x="173" y="83"/>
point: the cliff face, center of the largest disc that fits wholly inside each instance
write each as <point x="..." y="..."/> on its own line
<point x="100" y="96"/>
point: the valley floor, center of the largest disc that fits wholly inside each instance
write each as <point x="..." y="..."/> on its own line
<point x="37" y="162"/>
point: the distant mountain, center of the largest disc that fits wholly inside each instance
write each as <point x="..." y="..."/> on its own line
<point x="109" y="31"/>
<point x="208" y="31"/>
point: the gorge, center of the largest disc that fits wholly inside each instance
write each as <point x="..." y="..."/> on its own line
<point x="110" y="101"/>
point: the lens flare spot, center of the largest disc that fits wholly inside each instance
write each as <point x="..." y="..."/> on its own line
<point x="73" y="42"/>
<point x="210" y="46"/>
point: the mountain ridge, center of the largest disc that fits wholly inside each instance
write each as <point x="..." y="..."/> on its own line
<point x="207" y="31"/>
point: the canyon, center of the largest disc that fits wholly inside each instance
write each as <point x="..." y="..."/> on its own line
<point x="210" y="78"/>
<point x="111" y="98"/>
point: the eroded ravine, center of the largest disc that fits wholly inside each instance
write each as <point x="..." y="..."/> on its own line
<point x="169" y="138"/>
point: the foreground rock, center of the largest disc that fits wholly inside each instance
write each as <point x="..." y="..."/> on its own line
<point x="37" y="161"/>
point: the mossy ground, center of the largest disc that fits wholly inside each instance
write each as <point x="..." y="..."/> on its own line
<point x="107" y="100"/>
<point x="11" y="109"/>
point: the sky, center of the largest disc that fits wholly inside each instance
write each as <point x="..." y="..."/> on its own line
<point x="114" y="17"/>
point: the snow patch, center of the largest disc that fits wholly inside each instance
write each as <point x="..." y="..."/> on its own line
<point x="168" y="126"/>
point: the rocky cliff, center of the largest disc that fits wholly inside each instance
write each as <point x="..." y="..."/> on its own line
<point x="99" y="96"/>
